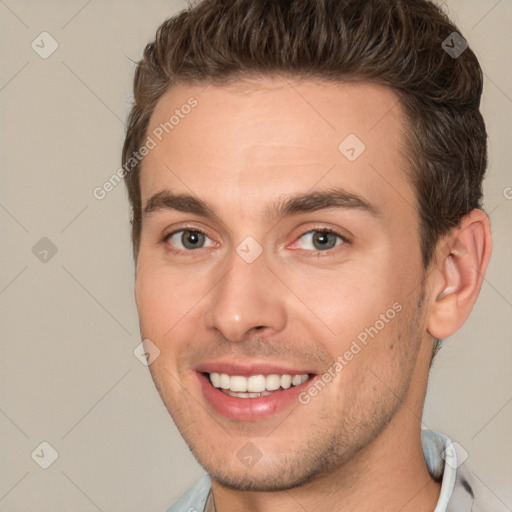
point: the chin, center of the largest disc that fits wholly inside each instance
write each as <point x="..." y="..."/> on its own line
<point x="282" y="473"/>
<point x="265" y="482"/>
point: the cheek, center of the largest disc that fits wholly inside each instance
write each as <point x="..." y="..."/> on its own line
<point x="366" y="314"/>
<point x="343" y="301"/>
<point x="151" y="299"/>
<point x="377" y="365"/>
<point x="162" y="301"/>
<point x="170" y="302"/>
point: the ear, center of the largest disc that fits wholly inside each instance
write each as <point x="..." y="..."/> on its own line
<point x="461" y="262"/>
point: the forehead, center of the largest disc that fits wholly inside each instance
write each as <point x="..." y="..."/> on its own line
<point x="237" y="145"/>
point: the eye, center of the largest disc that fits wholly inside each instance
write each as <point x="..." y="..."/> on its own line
<point x="320" y="240"/>
<point x="189" y="239"/>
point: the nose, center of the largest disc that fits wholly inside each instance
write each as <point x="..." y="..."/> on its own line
<point x="247" y="298"/>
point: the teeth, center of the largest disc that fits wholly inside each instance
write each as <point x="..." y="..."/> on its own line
<point x="224" y="381"/>
<point x="215" y="378"/>
<point x="273" y="382"/>
<point x="255" y="385"/>
<point x="248" y="395"/>
<point x="286" y="381"/>
<point x="237" y="383"/>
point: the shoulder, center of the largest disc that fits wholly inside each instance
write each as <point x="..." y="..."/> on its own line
<point x="194" y="499"/>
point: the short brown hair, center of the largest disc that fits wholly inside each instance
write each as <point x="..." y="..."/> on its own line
<point x="396" y="43"/>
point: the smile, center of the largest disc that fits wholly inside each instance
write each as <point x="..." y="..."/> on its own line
<point x="258" y="394"/>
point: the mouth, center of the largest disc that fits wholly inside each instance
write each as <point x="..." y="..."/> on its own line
<point x="256" y="395"/>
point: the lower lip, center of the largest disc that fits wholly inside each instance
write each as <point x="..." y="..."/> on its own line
<point x="250" y="409"/>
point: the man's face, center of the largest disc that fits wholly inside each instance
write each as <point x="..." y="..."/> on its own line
<point x="268" y="250"/>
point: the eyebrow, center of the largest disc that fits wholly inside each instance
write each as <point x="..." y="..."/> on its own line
<point x="314" y="201"/>
<point x="285" y="206"/>
<point x="181" y="202"/>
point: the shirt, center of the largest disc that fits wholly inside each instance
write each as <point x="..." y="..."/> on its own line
<point x="443" y="462"/>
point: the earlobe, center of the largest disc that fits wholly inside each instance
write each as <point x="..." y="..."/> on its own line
<point x="461" y="263"/>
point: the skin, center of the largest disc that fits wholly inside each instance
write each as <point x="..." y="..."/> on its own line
<point x="247" y="146"/>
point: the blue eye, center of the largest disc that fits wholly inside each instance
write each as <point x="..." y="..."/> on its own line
<point x="189" y="239"/>
<point x="320" y="240"/>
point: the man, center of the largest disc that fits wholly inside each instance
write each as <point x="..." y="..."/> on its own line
<point x="305" y="179"/>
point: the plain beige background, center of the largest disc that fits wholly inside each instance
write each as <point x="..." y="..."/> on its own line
<point x="69" y="326"/>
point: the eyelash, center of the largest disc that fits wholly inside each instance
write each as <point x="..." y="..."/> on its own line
<point x="317" y="253"/>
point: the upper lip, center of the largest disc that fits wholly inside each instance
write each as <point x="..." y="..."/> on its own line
<point x="232" y="368"/>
